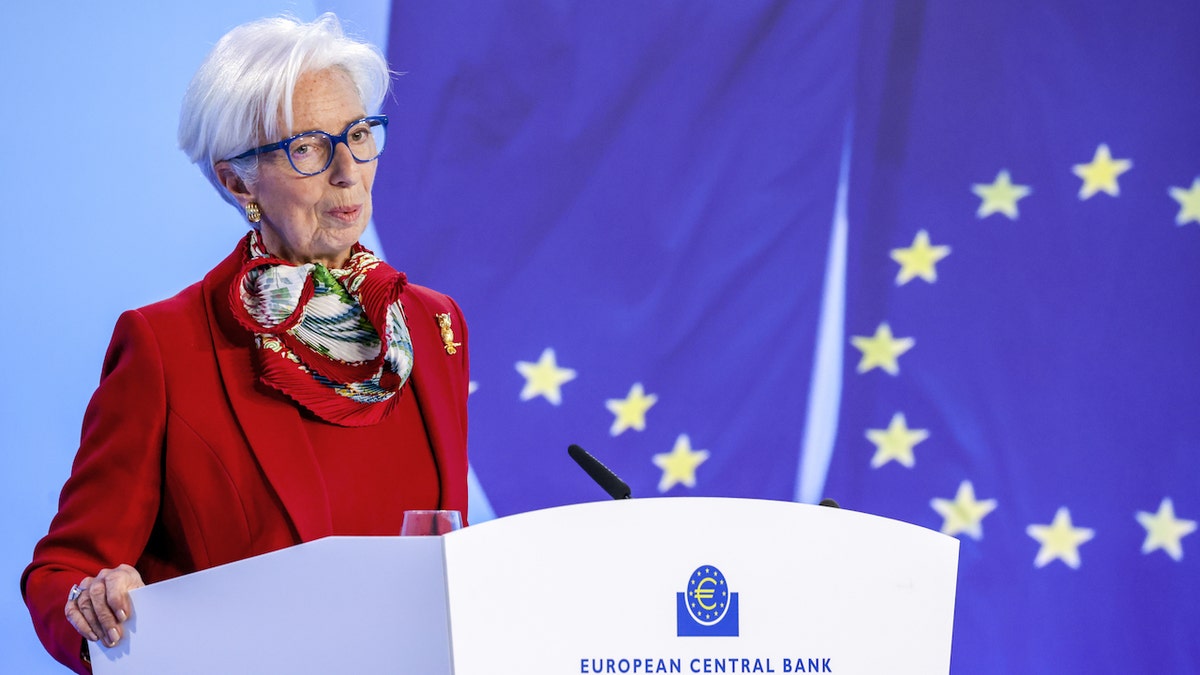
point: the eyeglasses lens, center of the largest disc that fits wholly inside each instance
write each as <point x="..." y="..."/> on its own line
<point x="366" y="140"/>
<point x="310" y="153"/>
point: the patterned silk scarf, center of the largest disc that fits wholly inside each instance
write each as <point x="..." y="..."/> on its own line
<point x="317" y="332"/>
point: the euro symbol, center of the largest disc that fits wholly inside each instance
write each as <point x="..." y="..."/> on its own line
<point x="705" y="591"/>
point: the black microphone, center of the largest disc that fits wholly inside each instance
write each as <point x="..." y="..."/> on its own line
<point x="615" y="487"/>
<point x="829" y="502"/>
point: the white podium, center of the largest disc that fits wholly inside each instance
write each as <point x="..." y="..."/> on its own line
<point x="673" y="585"/>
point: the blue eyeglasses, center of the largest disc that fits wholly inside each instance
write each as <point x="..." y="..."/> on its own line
<point x="311" y="152"/>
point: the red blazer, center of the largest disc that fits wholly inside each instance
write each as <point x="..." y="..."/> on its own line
<point x="187" y="462"/>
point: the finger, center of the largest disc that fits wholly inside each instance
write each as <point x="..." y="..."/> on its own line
<point x="122" y="580"/>
<point x="89" y="616"/>
<point x="84" y="604"/>
<point x="109" y="626"/>
<point x="76" y="618"/>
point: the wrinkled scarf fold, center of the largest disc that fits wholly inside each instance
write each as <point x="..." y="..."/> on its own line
<point x="317" y="331"/>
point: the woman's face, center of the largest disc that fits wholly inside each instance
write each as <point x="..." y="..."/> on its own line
<point x="316" y="218"/>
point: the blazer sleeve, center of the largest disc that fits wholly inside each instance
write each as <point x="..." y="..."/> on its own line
<point x="108" y="506"/>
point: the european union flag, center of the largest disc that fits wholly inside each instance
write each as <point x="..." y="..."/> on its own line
<point x="635" y="204"/>
<point x="1021" y="365"/>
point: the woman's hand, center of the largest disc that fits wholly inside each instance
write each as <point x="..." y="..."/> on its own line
<point x="102" y="604"/>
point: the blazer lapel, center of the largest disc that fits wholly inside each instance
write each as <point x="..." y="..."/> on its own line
<point x="438" y="382"/>
<point x="270" y="423"/>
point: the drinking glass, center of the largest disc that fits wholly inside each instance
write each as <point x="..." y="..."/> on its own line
<point x="430" y="523"/>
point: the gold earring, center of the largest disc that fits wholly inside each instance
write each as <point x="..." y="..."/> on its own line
<point x="253" y="213"/>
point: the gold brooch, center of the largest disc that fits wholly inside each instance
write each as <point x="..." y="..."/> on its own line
<point x="447" y="333"/>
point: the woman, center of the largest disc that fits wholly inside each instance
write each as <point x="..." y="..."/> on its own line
<point x="302" y="389"/>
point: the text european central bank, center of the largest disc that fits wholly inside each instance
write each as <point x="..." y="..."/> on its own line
<point x="706" y="608"/>
<point x="706" y="665"/>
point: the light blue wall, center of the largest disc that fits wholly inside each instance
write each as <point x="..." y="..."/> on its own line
<point x="101" y="212"/>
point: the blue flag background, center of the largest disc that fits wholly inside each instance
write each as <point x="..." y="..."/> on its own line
<point x="646" y="194"/>
<point x="1047" y="400"/>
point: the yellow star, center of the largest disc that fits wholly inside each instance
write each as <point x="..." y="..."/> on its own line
<point x="544" y="378"/>
<point x="679" y="465"/>
<point x="919" y="259"/>
<point x="896" y="442"/>
<point x="630" y="411"/>
<point x="1100" y="175"/>
<point x="1189" y="203"/>
<point x="1001" y="196"/>
<point x="1060" y="540"/>
<point x="1164" y="530"/>
<point x="963" y="514"/>
<point x="881" y="350"/>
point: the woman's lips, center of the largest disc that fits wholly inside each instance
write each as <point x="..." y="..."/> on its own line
<point x="347" y="214"/>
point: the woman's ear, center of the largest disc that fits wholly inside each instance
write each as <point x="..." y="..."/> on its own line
<point x="233" y="182"/>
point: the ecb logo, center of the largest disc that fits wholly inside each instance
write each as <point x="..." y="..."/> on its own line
<point x="707" y="607"/>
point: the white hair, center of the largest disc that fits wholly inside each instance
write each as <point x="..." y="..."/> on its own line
<point x="245" y="86"/>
